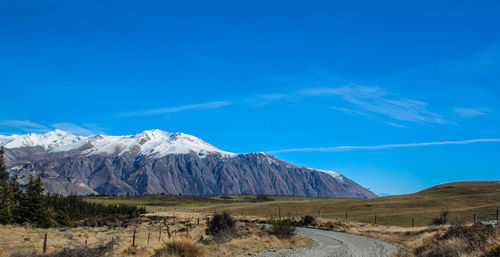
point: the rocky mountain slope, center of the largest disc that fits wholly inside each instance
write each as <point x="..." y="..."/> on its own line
<point x="156" y="161"/>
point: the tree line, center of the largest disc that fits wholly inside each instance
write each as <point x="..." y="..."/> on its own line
<point x="31" y="205"/>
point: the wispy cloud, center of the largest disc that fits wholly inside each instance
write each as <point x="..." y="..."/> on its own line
<point x="392" y="124"/>
<point x="351" y="111"/>
<point x="466" y="113"/>
<point x="387" y="146"/>
<point x="24" y="125"/>
<point x="377" y="101"/>
<point x="73" y="128"/>
<point x="266" y="99"/>
<point x="201" y="106"/>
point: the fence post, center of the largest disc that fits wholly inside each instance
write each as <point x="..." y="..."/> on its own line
<point x="413" y="222"/>
<point x="258" y="214"/>
<point x="319" y="214"/>
<point x="45" y="244"/>
<point x="497" y="213"/>
<point x="375" y="219"/>
<point x="198" y="223"/>
<point x="346" y="217"/>
<point x="159" y="235"/>
<point x="133" y="239"/>
<point x="85" y="242"/>
<point x="149" y="235"/>
<point x="475" y="218"/>
<point x="296" y="214"/>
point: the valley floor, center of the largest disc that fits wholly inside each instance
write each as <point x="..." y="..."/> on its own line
<point x="251" y="239"/>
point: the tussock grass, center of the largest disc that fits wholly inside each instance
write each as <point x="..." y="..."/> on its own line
<point x="180" y="247"/>
<point x="475" y="240"/>
<point x="281" y="228"/>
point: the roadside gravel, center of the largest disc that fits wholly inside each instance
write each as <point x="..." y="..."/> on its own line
<point x="336" y="244"/>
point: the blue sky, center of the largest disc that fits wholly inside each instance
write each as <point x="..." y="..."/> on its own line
<point x="303" y="80"/>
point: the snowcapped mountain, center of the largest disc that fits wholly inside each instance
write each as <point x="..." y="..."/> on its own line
<point x="48" y="141"/>
<point x="156" y="161"/>
<point x="154" y="143"/>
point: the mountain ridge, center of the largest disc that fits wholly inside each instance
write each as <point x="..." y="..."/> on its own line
<point x="156" y="161"/>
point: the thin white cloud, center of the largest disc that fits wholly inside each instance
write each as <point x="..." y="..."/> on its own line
<point x="392" y="124"/>
<point x="24" y="125"/>
<point x="266" y="99"/>
<point x="73" y="128"/>
<point x="379" y="147"/>
<point x="16" y="126"/>
<point x="202" y="106"/>
<point x="377" y="101"/>
<point x="467" y="113"/>
<point x="351" y="111"/>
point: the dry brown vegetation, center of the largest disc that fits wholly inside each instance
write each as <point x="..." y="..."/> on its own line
<point x="464" y="240"/>
<point x="185" y="239"/>
<point x="461" y="199"/>
<point x="458" y="240"/>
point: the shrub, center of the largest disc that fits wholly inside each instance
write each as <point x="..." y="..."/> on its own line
<point x="493" y="251"/>
<point x="307" y="220"/>
<point x="282" y="228"/>
<point x="442" y="219"/>
<point x="262" y="198"/>
<point x="182" y="247"/>
<point x="221" y="227"/>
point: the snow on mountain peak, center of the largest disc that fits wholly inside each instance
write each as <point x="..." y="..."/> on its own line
<point x="48" y="141"/>
<point x="155" y="143"/>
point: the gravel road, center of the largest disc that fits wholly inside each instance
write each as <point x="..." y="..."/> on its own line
<point x="331" y="243"/>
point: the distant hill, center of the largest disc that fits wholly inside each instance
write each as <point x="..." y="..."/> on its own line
<point x="461" y="199"/>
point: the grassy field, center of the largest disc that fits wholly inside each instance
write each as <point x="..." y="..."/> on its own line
<point x="249" y="240"/>
<point x="461" y="199"/>
<point x="152" y="203"/>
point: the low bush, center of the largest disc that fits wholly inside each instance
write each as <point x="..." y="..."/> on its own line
<point x="182" y="247"/>
<point x="307" y="221"/>
<point x="222" y="227"/>
<point x="262" y="198"/>
<point x="492" y="251"/>
<point x="282" y="228"/>
<point x="442" y="219"/>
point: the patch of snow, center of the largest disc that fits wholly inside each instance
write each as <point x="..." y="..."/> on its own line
<point x="152" y="143"/>
<point x="48" y="141"/>
<point x="334" y="174"/>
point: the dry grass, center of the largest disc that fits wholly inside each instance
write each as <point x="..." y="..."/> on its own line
<point x="180" y="247"/>
<point x="255" y="243"/>
<point x="461" y="199"/>
<point x="430" y="241"/>
<point x="472" y="241"/>
<point x="250" y="238"/>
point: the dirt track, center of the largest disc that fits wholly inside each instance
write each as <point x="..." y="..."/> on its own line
<point x="337" y="244"/>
